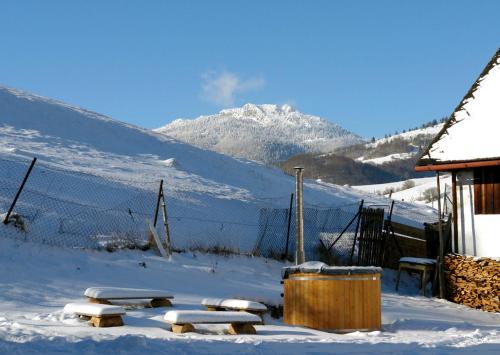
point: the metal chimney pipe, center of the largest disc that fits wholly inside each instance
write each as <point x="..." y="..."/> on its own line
<point x="299" y="216"/>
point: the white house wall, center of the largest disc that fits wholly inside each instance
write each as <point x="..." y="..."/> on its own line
<point x="478" y="235"/>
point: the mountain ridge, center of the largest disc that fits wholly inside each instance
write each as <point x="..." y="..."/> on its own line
<point x="387" y="159"/>
<point x="268" y="133"/>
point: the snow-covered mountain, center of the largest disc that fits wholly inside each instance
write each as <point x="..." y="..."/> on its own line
<point x="266" y="133"/>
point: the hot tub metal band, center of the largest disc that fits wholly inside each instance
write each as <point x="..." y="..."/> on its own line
<point x="303" y="278"/>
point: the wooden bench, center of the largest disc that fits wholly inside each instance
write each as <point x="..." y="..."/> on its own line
<point x="224" y="304"/>
<point x="423" y="265"/>
<point x="104" y="295"/>
<point x="239" y="322"/>
<point x="100" y="315"/>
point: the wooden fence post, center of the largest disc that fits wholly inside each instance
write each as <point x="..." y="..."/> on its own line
<point x="440" y="264"/>
<point x="160" y="192"/>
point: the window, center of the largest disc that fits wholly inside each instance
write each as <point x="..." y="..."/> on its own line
<point x="487" y="190"/>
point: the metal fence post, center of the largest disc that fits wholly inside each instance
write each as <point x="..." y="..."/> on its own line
<point x="299" y="213"/>
<point x="288" y="227"/>
<point x="11" y="208"/>
<point x="360" y="211"/>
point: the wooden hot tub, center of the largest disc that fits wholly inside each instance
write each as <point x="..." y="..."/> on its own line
<point x="332" y="298"/>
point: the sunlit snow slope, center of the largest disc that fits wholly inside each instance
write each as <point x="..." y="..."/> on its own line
<point x="199" y="183"/>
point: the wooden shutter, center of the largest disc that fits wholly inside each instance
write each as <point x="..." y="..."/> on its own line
<point x="487" y="190"/>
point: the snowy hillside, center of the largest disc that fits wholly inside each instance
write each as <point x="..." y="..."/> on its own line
<point x="384" y="160"/>
<point x="212" y="198"/>
<point x="401" y="146"/>
<point x="409" y="135"/>
<point x="419" y="190"/>
<point x="266" y="133"/>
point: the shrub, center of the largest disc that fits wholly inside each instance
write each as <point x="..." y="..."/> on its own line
<point x="431" y="194"/>
<point x="408" y="184"/>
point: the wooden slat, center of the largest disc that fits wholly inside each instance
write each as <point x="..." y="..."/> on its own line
<point x="371" y="238"/>
<point x="488" y="198"/>
<point x="496" y="197"/>
<point x="478" y="209"/>
<point x="403" y="229"/>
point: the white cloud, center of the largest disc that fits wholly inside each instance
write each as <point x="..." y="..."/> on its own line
<point x="223" y="88"/>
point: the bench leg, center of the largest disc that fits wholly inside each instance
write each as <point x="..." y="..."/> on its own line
<point x="435" y="281"/>
<point x="423" y="281"/>
<point x="98" y="300"/>
<point x="399" y="276"/>
<point x="113" y="321"/>
<point x="215" y="309"/>
<point x="160" y="302"/>
<point x="257" y="313"/>
<point x="182" y="328"/>
<point x="241" y="328"/>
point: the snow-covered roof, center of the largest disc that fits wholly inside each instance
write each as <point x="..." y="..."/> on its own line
<point x="471" y="133"/>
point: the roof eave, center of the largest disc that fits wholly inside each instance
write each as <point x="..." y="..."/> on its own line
<point x="448" y="166"/>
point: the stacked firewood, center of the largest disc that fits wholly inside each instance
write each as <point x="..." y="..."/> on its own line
<point x="473" y="282"/>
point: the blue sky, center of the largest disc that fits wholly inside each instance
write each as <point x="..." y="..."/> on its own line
<point x="371" y="66"/>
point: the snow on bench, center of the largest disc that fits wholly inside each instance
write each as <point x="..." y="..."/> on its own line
<point x="420" y="261"/>
<point x="240" y="322"/>
<point x="159" y="298"/>
<point x="100" y="315"/>
<point x="222" y="304"/>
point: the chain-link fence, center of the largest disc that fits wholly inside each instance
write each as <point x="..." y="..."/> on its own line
<point x="72" y="209"/>
<point x="69" y="208"/>
<point x="329" y="233"/>
<point x="80" y="210"/>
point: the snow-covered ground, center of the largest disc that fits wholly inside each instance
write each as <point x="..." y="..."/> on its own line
<point x="38" y="280"/>
<point x="413" y="194"/>
<point x="408" y="135"/>
<point x="407" y="146"/>
<point x="387" y="158"/>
